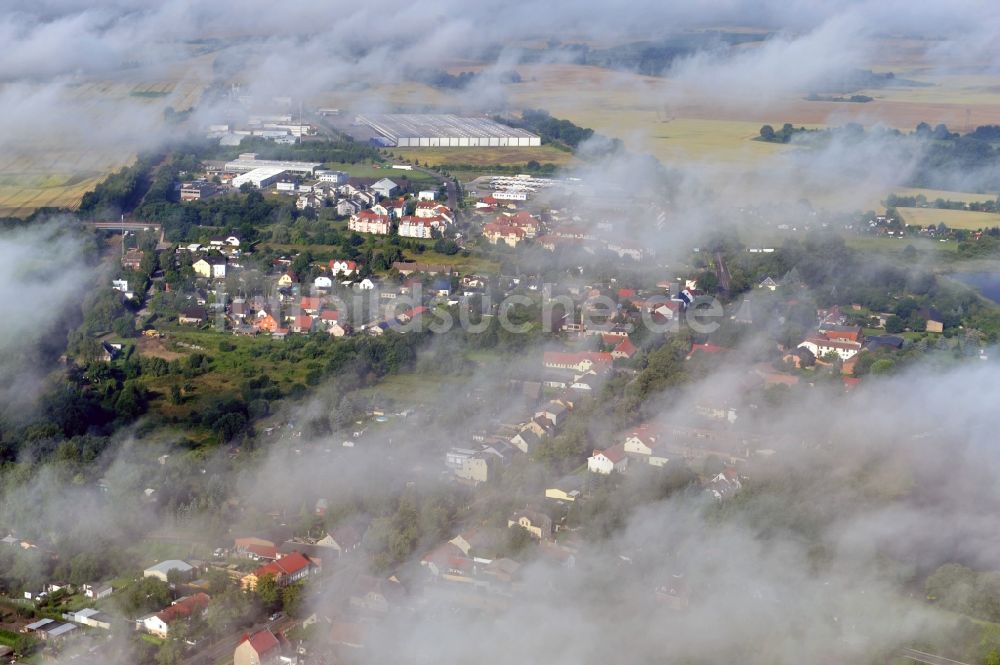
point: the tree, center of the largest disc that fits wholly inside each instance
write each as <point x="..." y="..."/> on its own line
<point x="146" y="595"/>
<point x="171" y="652"/>
<point x="291" y="600"/>
<point x="268" y="590"/>
<point x="767" y="133"/>
<point x="895" y="324"/>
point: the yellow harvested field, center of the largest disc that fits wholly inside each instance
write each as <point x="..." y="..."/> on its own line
<point x="955" y="219"/>
<point x="486" y="156"/>
<point x="50" y="174"/>
<point x="934" y="194"/>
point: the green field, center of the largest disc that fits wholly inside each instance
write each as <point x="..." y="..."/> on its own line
<point x="897" y="245"/>
<point x="479" y="157"/>
<point x="368" y="170"/>
<point x="953" y="219"/>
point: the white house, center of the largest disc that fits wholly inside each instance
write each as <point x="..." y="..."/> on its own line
<point x="609" y="460"/>
<point x="820" y="345"/>
<point x="323" y="282"/>
<point x="642" y="442"/>
<point x="210" y="267"/>
<point x="412" y="227"/>
<point x="343" y="267"/>
<point x="426" y="195"/>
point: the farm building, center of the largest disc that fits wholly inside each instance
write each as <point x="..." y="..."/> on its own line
<point x="406" y="130"/>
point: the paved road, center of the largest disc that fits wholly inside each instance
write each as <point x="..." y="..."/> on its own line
<point x="929" y="658"/>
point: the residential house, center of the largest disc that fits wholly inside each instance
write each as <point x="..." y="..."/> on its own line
<point x="323" y="282"/>
<point x="374" y="595"/>
<point x="526" y="441"/>
<point x="267" y="321"/>
<point x="259" y="648"/>
<point x="343" y="538"/>
<point x="820" y="345"/>
<point x="210" y="266"/>
<point x="286" y="570"/>
<point x="475" y="469"/>
<point x="933" y="318"/>
<point x="580" y="361"/>
<point x="287" y="280"/>
<point x="609" y="460"/>
<point x="724" y="484"/>
<point x="368" y="221"/>
<point x="132" y="259"/>
<point x="193" y="316"/>
<point x="385" y="188"/>
<point x="537" y="523"/>
<point x="566" y="489"/>
<point x="97" y="591"/>
<point x="503" y="233"/>
<point x="768" y="283"/>
<point x="413" y="227"/>
<point x="436" y="211"/>
<point x="343" y="267"/>
<point x="645" y="443"/>
<point x="554" y="412"/>
<point x="623" y="350"/>
<point x="158" y="624"/>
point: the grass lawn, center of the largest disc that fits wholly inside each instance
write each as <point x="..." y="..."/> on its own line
<point x="412" y="388"/>
<point x="369" y="170"/>
<point x="954" y="219"/>
<point x="479" y="157"/>
<point x="897" y="245"/>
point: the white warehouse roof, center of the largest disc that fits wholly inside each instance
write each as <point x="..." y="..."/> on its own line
<point x="428" y="129"/>
<point x="258" y="176"/>
<point x="251" y="164"/>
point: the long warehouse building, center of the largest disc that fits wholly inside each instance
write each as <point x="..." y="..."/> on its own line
<point x="413" y="130"/>
<point x="249" y="162"/>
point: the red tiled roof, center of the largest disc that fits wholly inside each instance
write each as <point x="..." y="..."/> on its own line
<point x="286" y="565"/>
<point x="563" y="358"/>
<point x="329" y="315"/>
<point x="184" y="607"/>
<point x="263" y="551"/>
<point x="309" y="302"/>
<point x="615" y="453"/>
<point x="626" y="293"/>
<point x="625" y="346"/>
<point x="263" y="642"/>
<point x="707" y="347"/>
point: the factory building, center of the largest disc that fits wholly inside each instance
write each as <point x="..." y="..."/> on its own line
<point x="248" y="162"/>
<point x="413" y="130"/>
<point x="259" y="178"/>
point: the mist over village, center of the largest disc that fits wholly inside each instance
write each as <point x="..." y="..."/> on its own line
<point x="500" y="333"/>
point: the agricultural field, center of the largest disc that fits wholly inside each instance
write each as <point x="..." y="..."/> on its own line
<point x="50" y="171"/>
<point x="954" y="219"/>
<point x="934" y="194"/>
